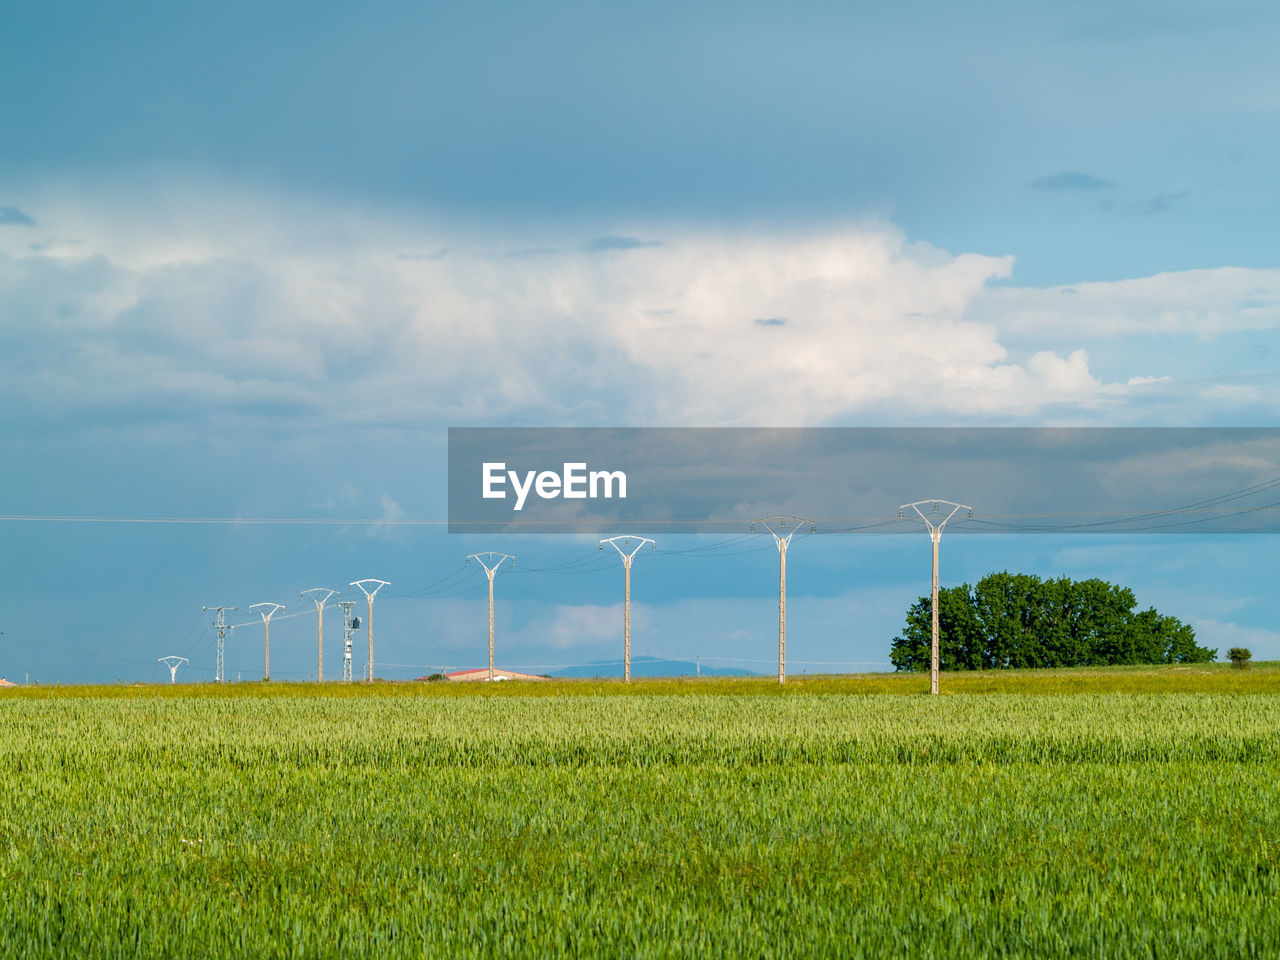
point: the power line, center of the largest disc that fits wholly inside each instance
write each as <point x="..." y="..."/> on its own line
<point x="829" y="524"/>
<point x="457" y="574"/>
<point x="283" y="616"/>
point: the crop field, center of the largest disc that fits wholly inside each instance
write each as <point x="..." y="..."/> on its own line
<point x="721" y="818"/>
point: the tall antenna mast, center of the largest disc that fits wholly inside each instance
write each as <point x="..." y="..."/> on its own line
<point x="935" y="534"/>
<point x="370" y="588"/>
<point x="173" y="663"/>
<point x="490" y="569"/>
<point x="347" y="630"/>
<point x="221" y="624"/>
<point x="267" y="611"/>
<point x="783" y="529"/>
<point x="623" y="546"/>
<point x="319" y="601"/>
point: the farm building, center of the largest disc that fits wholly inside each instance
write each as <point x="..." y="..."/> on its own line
<point x="482" y="673"/>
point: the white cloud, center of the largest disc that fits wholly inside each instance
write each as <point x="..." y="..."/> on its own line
<point x="1067" y="377"/>
<point x="222" y="302"/>
<point x="1196" y="303"/>
<point x="391" y="510"/>
<point x="564" y="626"/>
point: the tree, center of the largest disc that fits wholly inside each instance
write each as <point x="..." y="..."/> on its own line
<point x="1019" y="620"/>
<point x="1240" y="656"/>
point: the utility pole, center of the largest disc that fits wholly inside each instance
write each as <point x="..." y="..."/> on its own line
<point x="783" y="529"/>
<point x="369" y="592"/>
<point x="347" y="630"/>
<point x="935" y="534"/>
<point x="173" y="663"/>
<point x="268" y="611"/>
<point x="319" y="601"/>
<point x="623" y="545"/>
<point x="221" y="624"/>
<point x="490" y="569"/>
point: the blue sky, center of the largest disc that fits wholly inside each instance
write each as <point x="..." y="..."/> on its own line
<point x="254" y="262"/>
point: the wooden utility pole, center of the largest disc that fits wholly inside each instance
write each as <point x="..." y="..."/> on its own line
<point x="268" y="611"/>
<point x="782" y="530"/>
<point x="627" y="553"/>
<point x="319" y="601"/>
<point x="935" y="536"/>
<point x="491" y="568"/>
<point x="370" y="588"/>
<point x="935" y="528"/>
<point x="782" y="611"/>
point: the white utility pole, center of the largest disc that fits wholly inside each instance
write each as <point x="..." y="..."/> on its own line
<point x="623" y="545"/>
<point x="319" y="601"/>
<point x="490" y="569"/>
<point x="783" y="529"/>
<point x="370" y="588"/>
<point x="268" y="611"/>
<point x="219" y="675"/>
<point x="173" y="663"/>
<point x="935" y="534"/>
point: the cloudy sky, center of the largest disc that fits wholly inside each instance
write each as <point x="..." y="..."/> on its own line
<point x="255" y="262"/>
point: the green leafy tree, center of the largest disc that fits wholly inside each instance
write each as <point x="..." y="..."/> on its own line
<point x="1019" y="620"/>
<point x="1240" y="656"/>
<point x="957" y="620"/>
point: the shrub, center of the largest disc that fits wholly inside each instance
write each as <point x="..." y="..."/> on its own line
<point x="1239" y="656"/>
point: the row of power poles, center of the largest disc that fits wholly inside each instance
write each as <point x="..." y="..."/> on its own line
<point x="781" y="528"/>
<point x="320" y="596"/>
<point x="492" y="562"/>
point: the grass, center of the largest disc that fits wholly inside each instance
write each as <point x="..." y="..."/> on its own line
<point x="1259" y="677"/>
<point x="672" y="818"/>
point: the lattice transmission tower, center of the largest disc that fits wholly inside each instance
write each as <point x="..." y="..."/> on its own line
<point x="221" y="625"/>
<point x="349" y="627"/>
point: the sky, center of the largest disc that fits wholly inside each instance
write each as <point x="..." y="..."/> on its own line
<point x="255" y="260"/>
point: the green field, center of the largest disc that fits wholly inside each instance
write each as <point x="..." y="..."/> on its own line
<point x="669" y="818"/>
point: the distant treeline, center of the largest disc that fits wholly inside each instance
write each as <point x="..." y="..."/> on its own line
<point x="1019" y="620"/>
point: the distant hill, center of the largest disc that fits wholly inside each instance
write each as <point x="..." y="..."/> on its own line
<point x="651" y="667"/>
